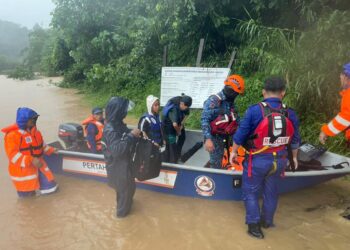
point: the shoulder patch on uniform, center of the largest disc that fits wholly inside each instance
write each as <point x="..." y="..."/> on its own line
<point x="214" y="101"/>
<point x="28" y="139"/>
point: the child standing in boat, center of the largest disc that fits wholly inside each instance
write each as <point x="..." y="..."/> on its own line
<point x="175" y="114"/>
<point x="150" y="123"/>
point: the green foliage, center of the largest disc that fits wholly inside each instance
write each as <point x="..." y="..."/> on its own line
<point x="7" y="63"/>
<point x="310" y="60"/>
<point x="324" y="50"/>
<point x="253" y="94"/>
<point x="114" y="47"/>
<point x="47" y="53"/>
<point x="74" y="75"/>
<point x="37" y="42"/>
<point x="22" y="73"/>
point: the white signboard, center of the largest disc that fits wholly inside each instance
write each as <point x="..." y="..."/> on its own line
<point x="199" y="83"/>
<point x="166" y="178"/>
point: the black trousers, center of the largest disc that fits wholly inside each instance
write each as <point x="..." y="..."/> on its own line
<point x="174" y="149"/>
<point x="124" y="195"/>
<point x="124" y="200"/>
<point x="121" y="179"/>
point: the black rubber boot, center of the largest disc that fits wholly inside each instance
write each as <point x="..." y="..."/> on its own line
<point x="255" y="230"/>
<point x="264" y="224"/>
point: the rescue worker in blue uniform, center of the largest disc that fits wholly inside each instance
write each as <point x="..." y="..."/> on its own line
<point x="216" y="109"/>
<point x="263" y="168"/>
<point x="175" y="113"/>
<point x="117" y="144"/>
<point x="150" y="123"/>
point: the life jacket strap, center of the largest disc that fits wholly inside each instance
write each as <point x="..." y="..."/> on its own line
<point x="258" y="151"/>
<point x="250" y="159"/>
<point x="274" y="165"/>
<point x="250" y="164"/>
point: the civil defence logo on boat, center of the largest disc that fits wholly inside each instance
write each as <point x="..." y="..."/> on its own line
<point x="205" y="185"/>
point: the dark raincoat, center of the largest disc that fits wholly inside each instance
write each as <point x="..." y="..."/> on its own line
<point x="117" y="144"/>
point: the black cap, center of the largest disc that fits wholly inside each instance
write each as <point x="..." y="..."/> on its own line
<point x="187" y="100"/>
<point x="275" y="84"/>
<point x="96" y="111"/>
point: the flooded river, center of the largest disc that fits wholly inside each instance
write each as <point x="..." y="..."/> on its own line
<point x="82" y="214"/>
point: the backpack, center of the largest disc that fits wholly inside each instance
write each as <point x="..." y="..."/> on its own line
<point x="167" y="108"/>
<point x="146" y="160"/>
<point x="274" y="132"/>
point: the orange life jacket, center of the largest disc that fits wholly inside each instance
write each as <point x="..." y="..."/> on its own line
<point x="21" y="147"/>
<point x="98" y="136"/>
<point x="347" y="134"/>
<point x="342" y="120"/>
<point x="237" y="164"/>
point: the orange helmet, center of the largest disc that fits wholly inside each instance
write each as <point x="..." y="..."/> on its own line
<point x="236" y="82"/>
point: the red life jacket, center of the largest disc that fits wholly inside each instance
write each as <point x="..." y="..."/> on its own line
<point x="224" y="124"/>
<point x="272" y="134"/>
<point x="274" y="131"/>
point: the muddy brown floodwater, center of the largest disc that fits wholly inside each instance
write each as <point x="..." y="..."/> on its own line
<point x="81" y="214"/>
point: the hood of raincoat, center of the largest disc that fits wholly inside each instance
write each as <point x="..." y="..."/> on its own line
<point x="23" y="115"/>
<point x="346" y="69"/>
<point x="149" y="102"/>
<point x="116" y="110"/>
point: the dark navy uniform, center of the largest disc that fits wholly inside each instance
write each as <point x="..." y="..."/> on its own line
<point x="261" y="179"/>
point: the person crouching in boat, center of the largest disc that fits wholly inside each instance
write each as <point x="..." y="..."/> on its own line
<point x="93" y="129"/>
<point x="342" y="120"/>
<point x="175" y="113"/>
<point x="220" y="119"/>
<point x="117" y="142"/>
<point x="265" y="131"/>
<point x="149" y="123"/>
<point x="25" y="148"/>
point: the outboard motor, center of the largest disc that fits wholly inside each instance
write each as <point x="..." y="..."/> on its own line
<point x="72" y="135"/>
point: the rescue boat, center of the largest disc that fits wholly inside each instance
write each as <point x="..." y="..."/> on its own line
<point x="192" y="178"/>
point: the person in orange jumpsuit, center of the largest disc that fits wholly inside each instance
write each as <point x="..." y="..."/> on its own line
<point x="25" y="148"/>
<point x="342" y="120"/>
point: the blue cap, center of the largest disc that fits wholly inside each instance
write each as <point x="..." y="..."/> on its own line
<point x="346" y="69"/>
<point x="96" y="110"/>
